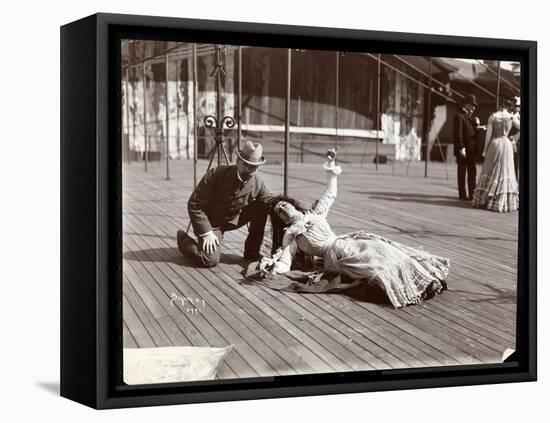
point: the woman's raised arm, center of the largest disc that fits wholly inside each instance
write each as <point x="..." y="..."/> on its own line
<point x="323" y="204"/>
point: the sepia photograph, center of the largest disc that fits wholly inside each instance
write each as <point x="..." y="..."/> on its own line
<point x="296" y="212"/>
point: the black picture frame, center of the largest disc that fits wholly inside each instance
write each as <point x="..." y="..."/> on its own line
<point x="91" y="210"/>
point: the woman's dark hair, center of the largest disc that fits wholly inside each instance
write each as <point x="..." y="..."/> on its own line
<point x="507" y="102"/>
<point x="301" y="259"/>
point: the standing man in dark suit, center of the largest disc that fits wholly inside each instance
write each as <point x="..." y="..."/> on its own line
<point x="465" y="146"/>
<point x="225" y="199"/>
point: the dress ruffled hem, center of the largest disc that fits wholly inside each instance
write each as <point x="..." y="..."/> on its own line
<point x="410" y="275"/>
<point x="497" y="188"/>
<point x="501" y="203"/>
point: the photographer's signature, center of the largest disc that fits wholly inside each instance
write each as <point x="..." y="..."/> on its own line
<point x="192" y="305"/>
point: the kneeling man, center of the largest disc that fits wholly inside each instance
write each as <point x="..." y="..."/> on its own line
<point x="225" y="199"/>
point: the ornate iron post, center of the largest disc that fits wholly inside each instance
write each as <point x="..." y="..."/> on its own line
<point x="219" y="123"/>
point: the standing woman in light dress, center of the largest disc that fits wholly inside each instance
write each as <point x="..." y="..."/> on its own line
<point x="497" y="187"/>
<point x="406" y="275"/>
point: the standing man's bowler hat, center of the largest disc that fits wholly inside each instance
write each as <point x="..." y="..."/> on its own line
<point x="251" y="153"/>
<point x="470" y="99"/>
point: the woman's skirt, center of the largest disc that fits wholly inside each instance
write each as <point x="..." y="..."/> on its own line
<point x="367" y="266"/>
<point x="407" y="275"/>
<point x="497" y="187"/>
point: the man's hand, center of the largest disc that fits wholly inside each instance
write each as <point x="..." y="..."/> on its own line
<point x="331" y="154"/>
<point x="462" y="153"/>
<point x="210" y="243"/>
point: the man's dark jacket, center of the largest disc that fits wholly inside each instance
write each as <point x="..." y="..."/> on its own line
<point x="465" y="134"/>
<point x="219" y="197"/>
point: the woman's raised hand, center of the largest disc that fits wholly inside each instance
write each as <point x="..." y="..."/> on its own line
<point x="330" y="164"/>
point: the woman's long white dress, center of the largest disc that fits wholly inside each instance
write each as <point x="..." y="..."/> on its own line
<point x="404" y="273"/>
<point x="497" y="187"/>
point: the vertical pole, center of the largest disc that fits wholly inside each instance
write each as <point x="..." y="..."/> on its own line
<point x="145" y="143"/>
<point x="178" y="141"/>
<point x="190" y="117"/>
<point x="166" y="92"/>
<point x="195" y="128"/>
<point x="287" y="120"/>
<point x="498" y="86"/>
<point x="219" y="111"/>
<point x="377" y="111"/>
<point x="127" y="98"/>
<point x="298" y="123"/>
<point x="337" y="99"/>
<point x="299" y="111"/>
<point x="134" y="103"/>
<point x="427" y="121"/>
<point x="239" y="95"/>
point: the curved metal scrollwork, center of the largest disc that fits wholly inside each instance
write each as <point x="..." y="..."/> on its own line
<point x="210" y="121"/>
<point x="228" y="121"/>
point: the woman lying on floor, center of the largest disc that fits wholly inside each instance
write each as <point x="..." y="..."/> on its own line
<point x="403" y="274"/>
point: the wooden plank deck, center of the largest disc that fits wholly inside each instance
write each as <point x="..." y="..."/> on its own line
<point x="279" y="333"/>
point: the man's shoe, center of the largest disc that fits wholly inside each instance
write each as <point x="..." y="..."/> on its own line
<point x="181" y="237"/>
